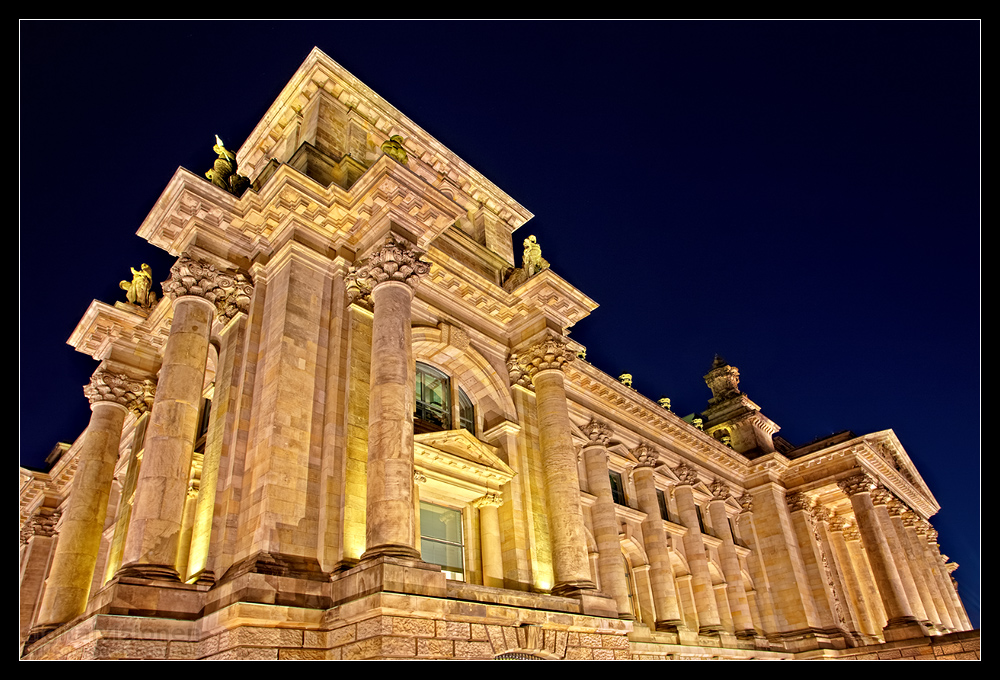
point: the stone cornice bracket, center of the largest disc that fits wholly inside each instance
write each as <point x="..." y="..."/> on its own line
<point x="798" y="501"/>
<point x="135" y="395"/>
<point x="861" y="482"/>
<point x="597" y="432"/>
<point x="229" y="291"/>
<point x="746" y="501"/>
<point x="490" y="500"/>
<point x="397" y="260"/>
<point x="686" y="475"/>
<point x="646" y="456"/>
<point x="720" y="490"/>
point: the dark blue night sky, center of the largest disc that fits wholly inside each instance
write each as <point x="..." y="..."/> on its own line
<point x="802" y="198"/>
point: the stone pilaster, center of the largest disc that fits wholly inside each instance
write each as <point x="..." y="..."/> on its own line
<point x="390" y="274"/>
<point x="901" y="623"/>
<point x="661" y="574"/>
<point x="542" y="364"/>
<point x="610" y="562"/>
<point x="199" y="292"/>
<point x="694" y="547"/>
<point x="736" y="593"/>
<point x="490" y="539"/>
<point x="67" y="590"/>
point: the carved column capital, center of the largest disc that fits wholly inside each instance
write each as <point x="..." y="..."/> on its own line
<point x="746" y="501"/>
<point x="720" y="490"/>
<point x="118" y="388"/>
<point x="861" y="482"/>
<point x="597" y="432"/>
<point x="229" y="291"/>
<point x="798" y="501"/>
<point x="686" y="475"/>
<point x="491" y="500"/>
<point x="646" y="456"/>
<point x="397" y="260"/>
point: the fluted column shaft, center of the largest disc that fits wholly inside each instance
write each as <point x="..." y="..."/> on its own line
<point x="161" y="490"/>
<point x="661" y="575"/>
<point x="694" y="547"/>
<point x="736" y="592"/>
<point x="72" y="572"/>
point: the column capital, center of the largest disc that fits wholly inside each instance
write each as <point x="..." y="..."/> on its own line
<point x="646" y="456"/>
<point x="491" y="500"/>
<point x="118" y="388"/>
<point x="798" y="501"/>
<point x="720" y="490"/>
<point x="856" y="484"/>
<point x="597" y="432"/>
<point x="686" y="475"/>
<point x="229" y="291"/>
<point x="396" y="260"/>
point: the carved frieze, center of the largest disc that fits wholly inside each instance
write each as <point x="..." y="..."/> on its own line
<point x="135" y="395"/>
<point x="229" y="291"/>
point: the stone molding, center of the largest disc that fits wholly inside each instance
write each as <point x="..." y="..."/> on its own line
<point x="397" y="260"/>
<point x="118" y="388"/>
<point x="229" y="291"/>
<point x="646" y="456"/>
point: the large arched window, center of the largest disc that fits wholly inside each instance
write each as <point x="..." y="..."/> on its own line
<point x="435" y="398"/>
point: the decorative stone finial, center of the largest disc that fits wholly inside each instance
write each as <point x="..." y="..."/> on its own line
<point x="664" y="402"/>
<point x="139" y="291"/>
<point x="597" y="432"/>
<point x="625" y="379"/>
<point x="723" y="380"/>
<point x="393" y="148"/>
<point x="686" y="475"/>
<point x="861" y="482"/>
<point x="396" y="260"/>
<point x="646" y="456"/>
<point x="223" y="173"/>
<point x="720" y="490"/>
<point x="229" y="291"/>
<point x="135" y="395"/>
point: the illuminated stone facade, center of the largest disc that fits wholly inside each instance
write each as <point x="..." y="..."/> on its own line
<point x="259" y="480"/>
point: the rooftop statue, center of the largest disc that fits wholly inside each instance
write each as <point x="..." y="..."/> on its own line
<point x="139" y="291"/>
<point x="223" y="173"/>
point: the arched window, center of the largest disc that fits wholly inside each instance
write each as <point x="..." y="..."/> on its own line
<point x="434" y="399"/>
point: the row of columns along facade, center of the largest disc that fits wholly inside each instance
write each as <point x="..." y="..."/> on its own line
<point x="880" y="571"/>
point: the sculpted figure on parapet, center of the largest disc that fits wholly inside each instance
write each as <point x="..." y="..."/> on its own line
<point x="229" y="291"/>
<point x="135" y="395"/>
<point x="396" y="260"/>
<point x="139" y="291"/>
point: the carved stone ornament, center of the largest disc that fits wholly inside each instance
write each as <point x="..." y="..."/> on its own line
<point x="490" y="500"/>
<point x="646" y="456"/>
<point x="393" y="148"/>
<point x="551" y="353"/>
<point x="597" y="432"/>
<point x="396" y="260"/>
<point x="746" y="502"/>
<point x="720" y="490"/>
<point x="135" y="395"/>
<point x="229" y="291"/>
<point x="686" y="475"/>
<point x="798" y="501"/>
<point x="862" y="482"/>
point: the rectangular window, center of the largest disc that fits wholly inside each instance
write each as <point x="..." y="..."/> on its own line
<point x="617" y="487"/>
<point x="441" y="539"/>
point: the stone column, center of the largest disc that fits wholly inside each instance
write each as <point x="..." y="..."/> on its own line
<point x="900" y="624"/>
<point x="67" y="589"/>
<point x="880" y="499"/>
<point x="661" y="575"/>
<point x="736" y="593"/>
<point x="542" y="365"/>
<point x="694" y="547"/>
<point x="857" y="597"/>
<point x="390" y="274"/>
<point x="199" y="291"/>
<point x="610" y="563"/>
<point x="489" y="538"/>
